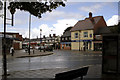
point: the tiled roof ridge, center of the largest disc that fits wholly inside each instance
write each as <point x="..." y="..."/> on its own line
<point x="86" y="19"/>
<point x="89" y="18"/>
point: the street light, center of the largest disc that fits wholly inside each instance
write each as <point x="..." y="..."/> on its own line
<point x="40" y="34"/>
<point x="40" y="38"/>
<point x="29" y="31"/>
<point x="4" y="45"/>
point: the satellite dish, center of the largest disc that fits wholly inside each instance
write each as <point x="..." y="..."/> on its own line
<point x="1" y="5"/>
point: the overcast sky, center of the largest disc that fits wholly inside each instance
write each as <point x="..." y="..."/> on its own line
<point x="61" y="18"/>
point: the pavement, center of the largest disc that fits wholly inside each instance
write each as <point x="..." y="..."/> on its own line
<point x="94" y="73"/>
<point x="23" y="54"/>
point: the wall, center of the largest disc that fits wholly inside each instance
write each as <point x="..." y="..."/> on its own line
<point x="75" y="41"/>
<point x="86" y="38"/>
<point x="16" y="46"/>
<point x="75" y="45"/>
<point x="65" y="47"/>
<point x="73" y="35"/>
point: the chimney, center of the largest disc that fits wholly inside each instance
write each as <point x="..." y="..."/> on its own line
<point x="49" y="35"/>
<point x="91" y="18"/>
<point x="44" y="36"/>
<point x="90" y="14"/>
<point x="54" y="35"/>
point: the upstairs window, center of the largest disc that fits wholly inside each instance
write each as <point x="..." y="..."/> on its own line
<point x="62" y="38"/>
<point x="66" y="38"/>
<point x="85" y="34"/>
<point x="76" y="35"/>
<point x="90" y="35"/>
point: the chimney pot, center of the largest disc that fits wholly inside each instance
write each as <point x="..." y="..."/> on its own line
<point x="90" y="14"/>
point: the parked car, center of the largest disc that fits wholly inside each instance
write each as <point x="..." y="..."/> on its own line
<point x="49" y="48"/>
<point x="42" y="48"/>
<point x="37" y="47"/>
<point x="46" y="48"/>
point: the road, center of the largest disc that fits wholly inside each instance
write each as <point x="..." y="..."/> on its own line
<point x="60" y="59"/>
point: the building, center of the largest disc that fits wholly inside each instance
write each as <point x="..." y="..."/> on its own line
<point x="52" y="40"/>
<point x="99" y="37"/>
<point x="66" y="39"/>
<point x="13" y="39"/>
<point x="9" y="42"/>
<point x="83" y="33"/>
<point x="33" y="42"/>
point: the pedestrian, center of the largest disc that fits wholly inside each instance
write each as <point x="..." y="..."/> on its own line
<point x="33" y="49"/>
<point x="83" y="47"/>
<point x="26" y="49"/>
<point x="12" y="51"/>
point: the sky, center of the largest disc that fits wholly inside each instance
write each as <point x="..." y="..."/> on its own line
<point x="58" y="20"/>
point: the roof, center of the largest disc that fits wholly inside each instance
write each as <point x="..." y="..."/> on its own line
<point x="67" y="32"/>
<point x="103" y="30"/>
<point x="86" y="24"/>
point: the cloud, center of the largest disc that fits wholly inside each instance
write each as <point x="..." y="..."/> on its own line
<point x="61" y="25"/>
<point x="92" y="8"/>
<point x="93" y="1"/>
<point x="112" y="21"/>
<point x="57" y="28"/>
<point x="61" y="14"/>
<point x="46" y="30"/>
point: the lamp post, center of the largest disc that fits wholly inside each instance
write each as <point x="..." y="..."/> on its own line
<point x="29" y="31"/>
<point x="79" y="40"/>
<point x="40" y="34"/>
<point x="4" y="45"/>
<point x="40" y="38"/>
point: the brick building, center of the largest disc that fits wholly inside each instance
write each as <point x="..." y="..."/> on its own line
<point x="66" y="39"/>
<point x="15" y="40"/>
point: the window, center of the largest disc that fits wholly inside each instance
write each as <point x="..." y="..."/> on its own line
<point x="90" y="35"/>
<point x="76" y="35"/>
<point x="62" y="38"/>
<point x="98" y="37"/>
<point x="69" y="38"/>
<point x="85" y="34"/>
<point x="66" y="38"/>
<point x="68" y="45"/>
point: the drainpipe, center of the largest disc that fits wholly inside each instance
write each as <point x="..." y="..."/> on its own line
<point x="79" y="40"/>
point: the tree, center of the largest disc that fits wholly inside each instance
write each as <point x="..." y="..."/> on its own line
<point x="35" y="8"/>
<point x="1" y="5"/>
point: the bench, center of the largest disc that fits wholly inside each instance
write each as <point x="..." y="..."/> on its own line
<point x="73" y="74"/>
